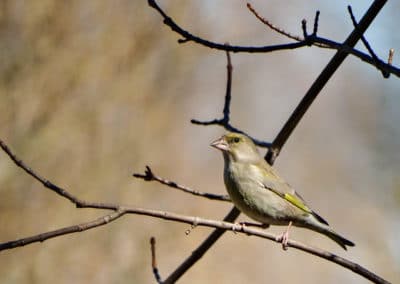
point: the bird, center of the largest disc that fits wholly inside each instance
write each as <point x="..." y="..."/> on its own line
<point x="258" y="191"/>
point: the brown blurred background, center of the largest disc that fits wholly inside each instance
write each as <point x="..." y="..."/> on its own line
<point x="92" y="91"/>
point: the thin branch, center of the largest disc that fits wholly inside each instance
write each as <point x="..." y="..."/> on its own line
<point x="228" y="91"/>
<point x="150" y="176"/>
<point x="63" y="231"/>
<point x="225" y="120"/>
<point x="316" y="19"/>
<point x="189" y="37"/>
<point x="154" y="267"/>
<point x="363" y="39"/>
<point x="385" y="74"/>
<point x="389" y="62"/>
<point x="309" y="40"/>
<point x="272" y="26"/>
<point x="29" y="171"/>
<point x="321" y="81"/>
<point x="304" y="29"/>
<point x="390" y="58"/>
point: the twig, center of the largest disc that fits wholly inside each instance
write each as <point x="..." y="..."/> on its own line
<point x="225" y="120"/>
<point x="272" y="26"/>
<point x="29" y="171"/>
<point x="363" y="39"/>
<point x="150" y="176"/>
<point x="63" y="231"/>
<point x="310" y="40"/>
<point x="316" y="19"/>
<point x="154" y="267"/>
<point x="322" y="79"/>
<point x="304" y="29"/>
<point x="390" y="58"/>
<point x="385" y="74"/>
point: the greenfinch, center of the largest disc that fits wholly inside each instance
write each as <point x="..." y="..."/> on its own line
<point x="258" y="191"/>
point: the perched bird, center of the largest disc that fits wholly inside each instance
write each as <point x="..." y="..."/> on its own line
<point x="257" y="190"/>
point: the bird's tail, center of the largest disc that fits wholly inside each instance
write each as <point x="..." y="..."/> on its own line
<point x="341" y="241"/>
<point x="327" y="231"/>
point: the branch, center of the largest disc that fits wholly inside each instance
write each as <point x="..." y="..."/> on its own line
<point x="154" y="267"/>
<point x="195" y="221"/>
<point x="225" y="120"/>
<point x="321" y="81"/>
<point x="63" y="231"/>
<point x="308" y="41"/>
<point x="221" y="226"/>
<point x="150" y="176"/>
<point x="366" y="43"/>
<point x="201" y="249"/>
<point x="283" y="32"/>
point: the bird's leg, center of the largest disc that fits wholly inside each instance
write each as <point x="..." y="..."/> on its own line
<point x="284" y="237"/>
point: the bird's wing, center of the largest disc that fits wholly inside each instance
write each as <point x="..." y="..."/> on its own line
<point x="270" y="180"/>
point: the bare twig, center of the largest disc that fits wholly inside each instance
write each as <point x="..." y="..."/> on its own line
<point x="378" y="62"/>
<point x="363" y="39"/>
<point x="150" y="176"/>
<point x="316" y="19"/>
<point x="304" y="28"/>
<point x="63" y="231"/>
<point x="322" y="79"/>
<point x="390" y="58"/>
<point x="154" y="267"/>
<point x="225" y="120"/>
<point x="42" y="180"/>
<point x="309" y="40"/>
<point x="272" y="26"/>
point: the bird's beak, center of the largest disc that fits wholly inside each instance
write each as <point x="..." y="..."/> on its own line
<point x="220" y="144"/>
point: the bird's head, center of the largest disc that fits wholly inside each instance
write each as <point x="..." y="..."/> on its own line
<point x="237" y="147"/>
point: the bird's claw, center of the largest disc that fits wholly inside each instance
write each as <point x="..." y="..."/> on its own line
<point x="283" y="238"/>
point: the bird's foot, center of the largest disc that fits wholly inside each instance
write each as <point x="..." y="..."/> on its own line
<point x="284" y="237"/>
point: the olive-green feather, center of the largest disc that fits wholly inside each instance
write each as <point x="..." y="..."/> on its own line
<point x="297" y="202"/>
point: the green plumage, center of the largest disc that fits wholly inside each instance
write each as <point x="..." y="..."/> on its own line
<point x="259" y="192"/>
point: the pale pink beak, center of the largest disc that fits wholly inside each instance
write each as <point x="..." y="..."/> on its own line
<point x="220" y="144"/>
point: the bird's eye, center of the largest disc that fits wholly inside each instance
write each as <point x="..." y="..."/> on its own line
<point x="236" y="140"/>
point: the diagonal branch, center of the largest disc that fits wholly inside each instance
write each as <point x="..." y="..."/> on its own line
<point x="321" y="81"/>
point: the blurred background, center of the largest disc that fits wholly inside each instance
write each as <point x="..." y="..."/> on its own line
<point x="92" y="91"/>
